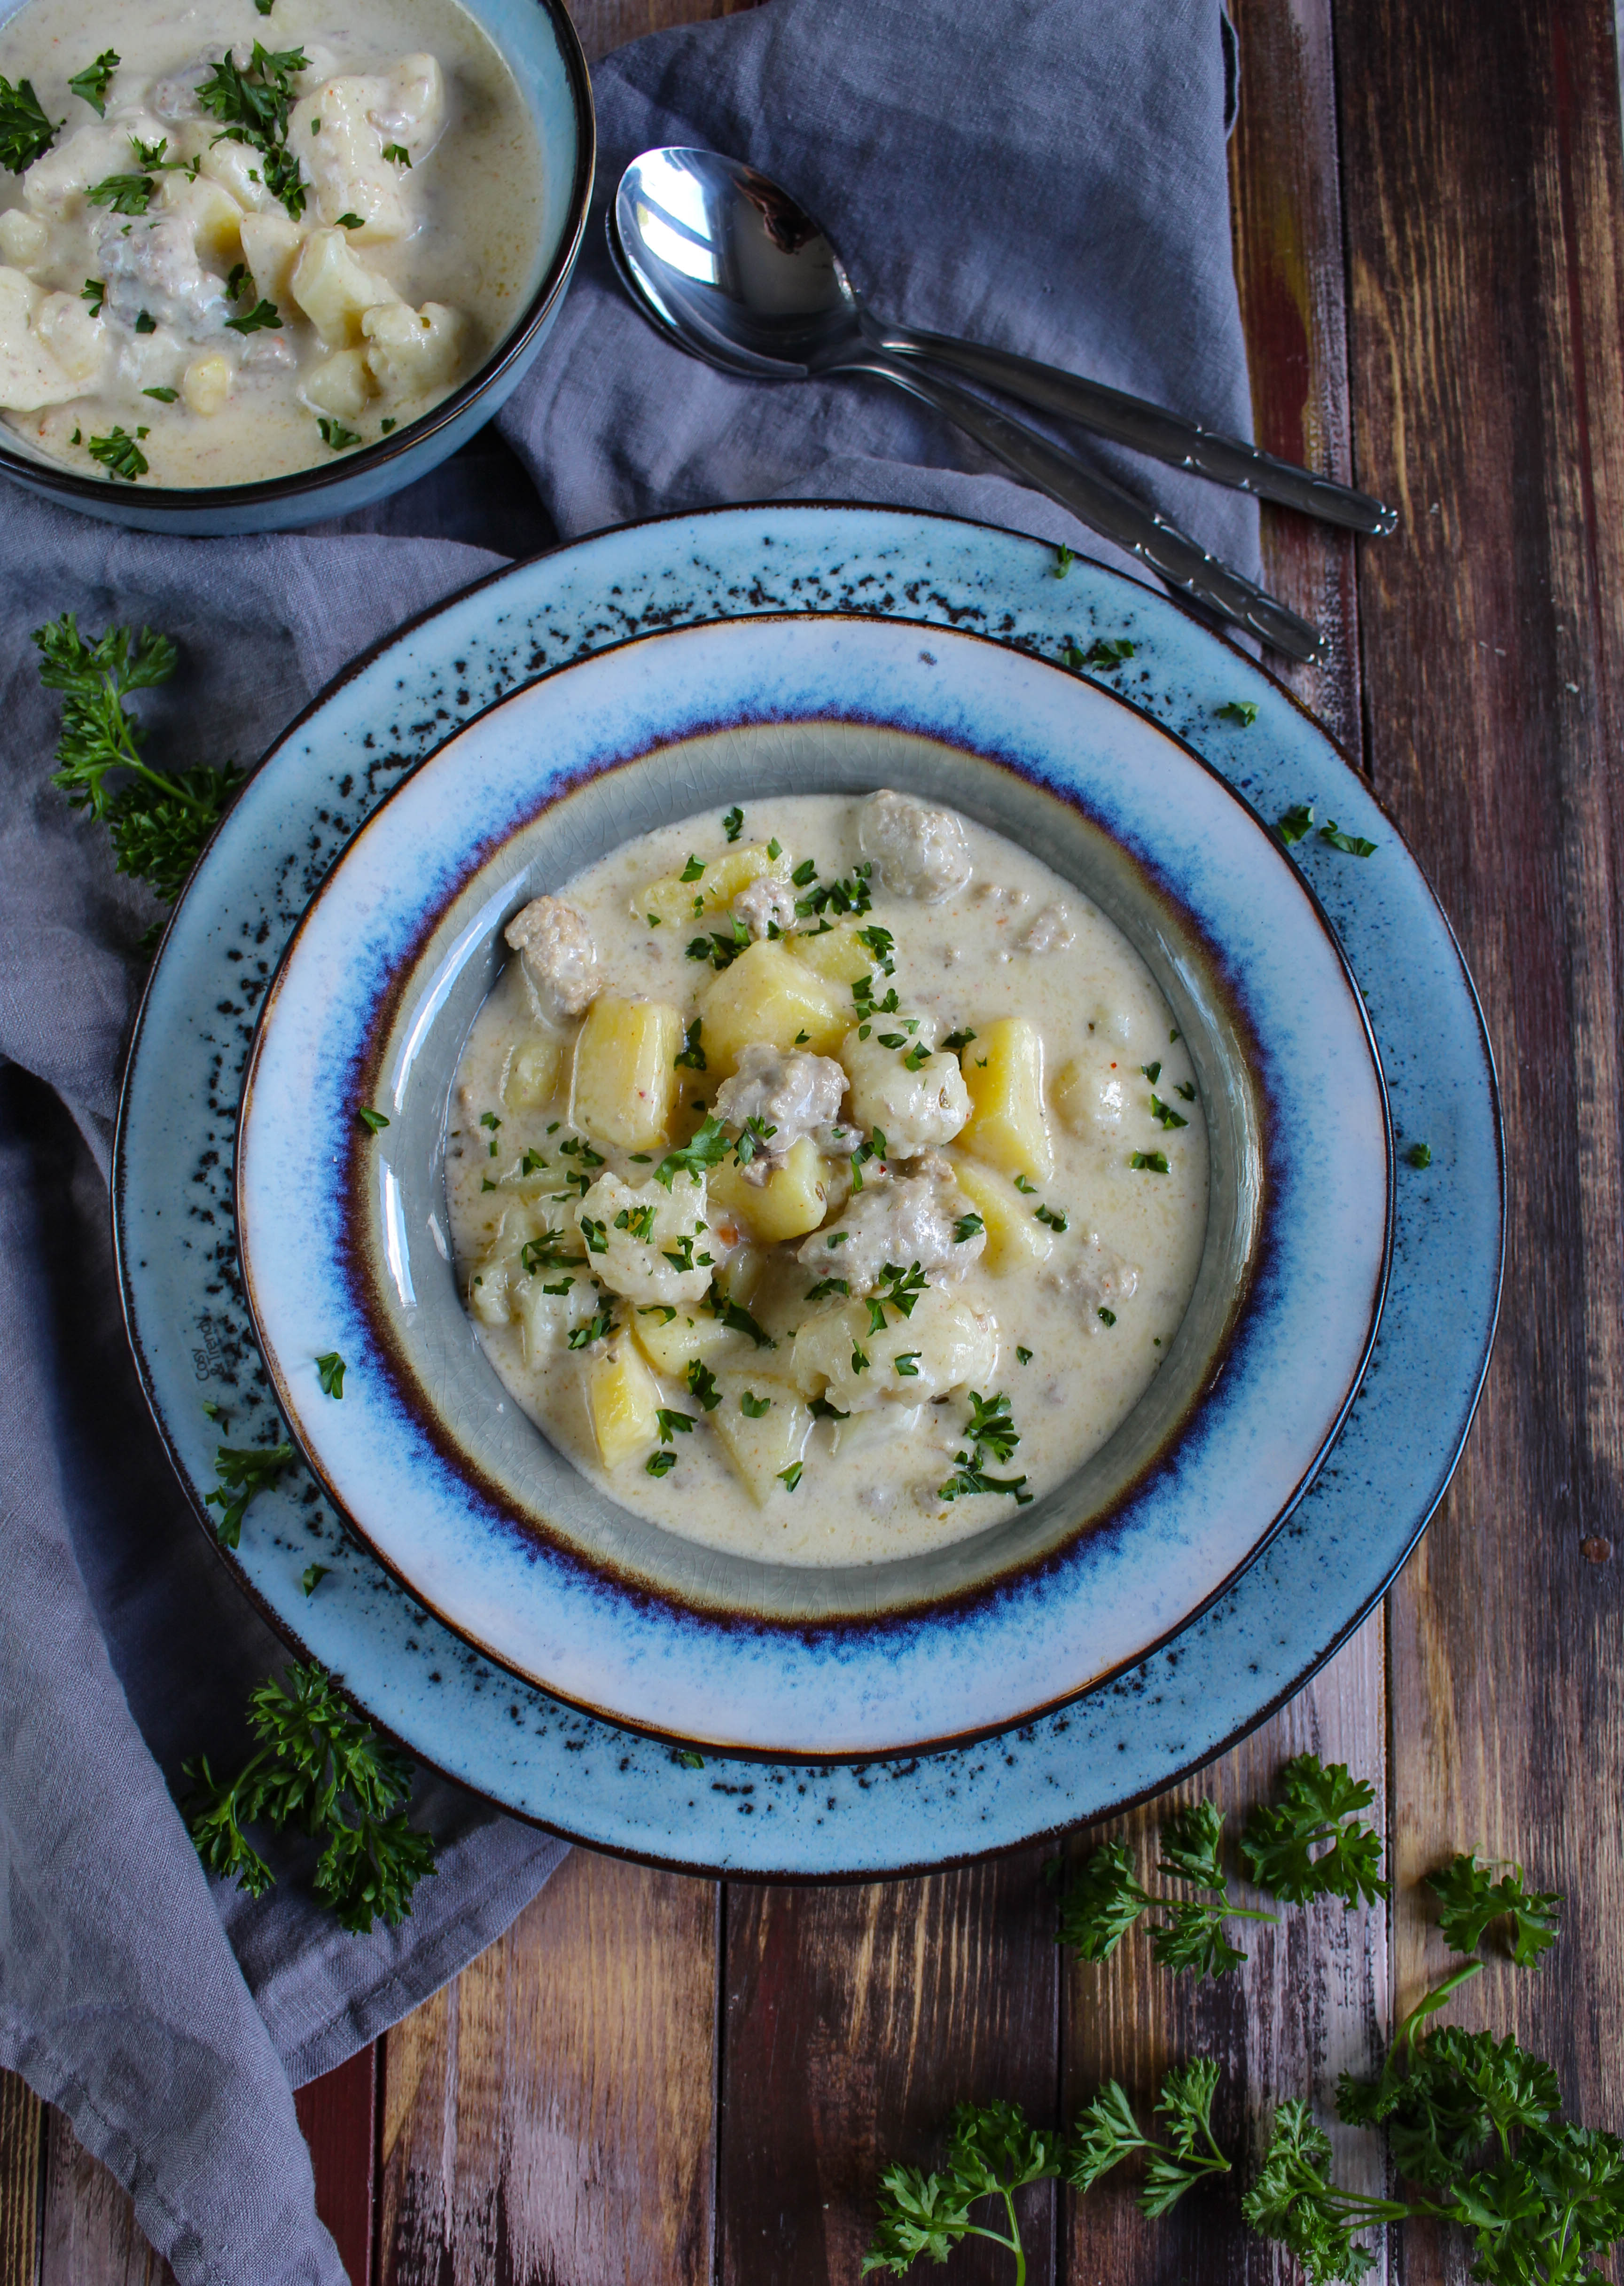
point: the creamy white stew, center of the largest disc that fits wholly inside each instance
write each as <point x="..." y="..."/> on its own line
<point x="825" y="1180"/>
<point x="233" y="244"/>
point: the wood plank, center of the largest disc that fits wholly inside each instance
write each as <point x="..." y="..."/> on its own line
<point x="854" y="2018"/>
<point x="88" y="2235"/>
<point x="1482" y="161"/>
<point x="549" y="2117"/>
<point x="1311" y="2002"/>
<point x="21" y="2159"/>
<point x="1286" y="200"/>
<point x="337" y="2115"/>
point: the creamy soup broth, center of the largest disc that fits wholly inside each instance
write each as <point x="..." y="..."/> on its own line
<point x="1018" y="1261"/>
<point x="195" y="331"/>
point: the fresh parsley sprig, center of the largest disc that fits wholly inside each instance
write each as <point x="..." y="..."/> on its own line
<point x="1108" y="2132"/>
<point x="1192" y="1936"/>
<point x="243" y="1471"/>
<point x="992" y="2152"/>
<point x="1471" y="1899"/>
<point x="91" y="83"/>
<point x="1315" y="1813"/>
<point x="321" y="1768"/>
<point x="157" y="823"/>
<point x="1294" y="2201"/>
<point x="253" y="100"/>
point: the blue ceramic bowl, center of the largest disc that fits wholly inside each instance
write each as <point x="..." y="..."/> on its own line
<point x="537" y="43"/>
<point x="342" y="1231"/>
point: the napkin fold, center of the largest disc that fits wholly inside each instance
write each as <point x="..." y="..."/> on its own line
<point x="1045" y="174"/>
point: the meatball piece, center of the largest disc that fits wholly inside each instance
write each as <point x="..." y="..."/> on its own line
<point x="1094" y="1278"/>
<point x="913" y="1109"/>
<point x="637" y="1236"/>
<point x="767" y="903"/>
<point x="901" y="1219"/>
<point x="1050" y="932"/>
<point x="921" y="852"/>
<point x="560" y="962"/>
<point x="792" y="1095"/>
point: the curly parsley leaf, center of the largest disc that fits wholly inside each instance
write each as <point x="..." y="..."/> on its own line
<point x="1102" y="1904"/>
<point x="1294" y="2201"/>
<point x="120" y="453"/>
<point x="243" y="1471"/>
<point x="1471" y="1899"/>
<point x="1315" y="1815"/>
<point x="330" y="1369"/>
<point x="992" y="2153"/>
<point x="322" y="1770"/>
<point x="91" y="84"/>
<point x="707" y="1147"/>
<point x="1353" y="844"/>
<point x="252" y="101"/>
<point x="1108" y="2132"/>
<point x="1292" y="825"/>
<point x="26" y="134"/>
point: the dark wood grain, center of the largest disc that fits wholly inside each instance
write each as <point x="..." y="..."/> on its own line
<point x="89" y="2235"/>
<point x="549" y="2117"/>
<point x="854" y="2019"/>
<point x="1482" y="165"/>
<point x="21" y="2157"/>
<point x="1285" y="189"/>
<point x="338" y="2116"/>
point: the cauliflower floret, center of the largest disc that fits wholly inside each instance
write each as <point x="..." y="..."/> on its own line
<point x="1094" y="1278"/>
<point x="639" y="1236"/>
<point x="556" y="952"/>
<point x="336" y="291"/>
<point x="56" y="184"/>
<point x="23" y="237"/>
<point x="1091" y="1096"/>
<point x="341" y="131"/>
<point x="767" y="904"/>
<point x="945" y="1344"/>
<point x="501" y="1290"/>
<point x="50" y="345"/>
<point x="411" y="352"/>
<point x="921" y="852"/>
<point x="910" y="1219"/>
<point x="791" y="1094"/>
<point x="913" y="1109"/>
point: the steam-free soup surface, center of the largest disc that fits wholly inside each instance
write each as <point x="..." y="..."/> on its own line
<point x="826" y="1178"/>
<point x="242" y="244"/>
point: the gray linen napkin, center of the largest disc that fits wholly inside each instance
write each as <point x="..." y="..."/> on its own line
<point x="1045" y="173"/>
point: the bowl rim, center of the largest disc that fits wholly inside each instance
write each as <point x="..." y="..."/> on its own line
<point x="46" y="476"/>
<point x="612" y="1577"/>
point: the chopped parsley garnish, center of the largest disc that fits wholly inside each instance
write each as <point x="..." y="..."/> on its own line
<point x="164" y="395"/>
<point x="707" y="1147"/>
<point x="94" y="291"/>
<point x="371" y="1119"/>
<point x="661" y="1464"/>
<point x="1064" y="558"/>
<point x="1022" y="1183"/>
<point x="673" y="1424"/>
<point x="1355" y="845"/>
<point x="958" y="1042"/>
<point x="398" y="153"/>
<point x="1243" y="711"/>
<point x="1186" y="1090"/>
<point x="330" y="1366"/>
<point x="859" y="1359"/>
<point x="1025" y="1356"/>
<point x="754" y="1137"/>
<point x="899" y="1289"/>
<point x="546" y="1252"/>
<point x="597" y="1328"/>
<point x="311" y="1577"/>
<point x="334" y="434"/>
<point x="145" y="323"/>
<point x="966" y="1227"/>
<point x="849" y="895"/>
<point x="242" y="1473"/>
<point x="692" y="871"/>
<point x="351" y="222"/>
<point x="1104" y="654"/>
<point x="907" y="1364"/>
<point x="26" y="134"/>
<point x="1293" y="823"/>
<point x="595" y="1236"/>
<point x="733" y="823"/>
<point x="93" y="82"/>
<point x="1150" y="1162"/>
<point x="791" y="1477"/>
<point x="805" y="873"/>
<point x="1419" y="1155"/>
<point x="252" y="102"/>
<point x="1165" y="1116"/>
<point x="826" y="1286"/>
<point x="702" y="1383"/>
<point x="663" y="1310"/>
<point x="774" y="849"/>
<point x="751" y="1406"/>
<point x="1054" y="1217"/>
<point x="1106" y="1317"/>
<point x="1153" y="1072"/>
<point x="734" y="1315"/>
<point x="261" y="319"/>
<point x="917" y="1057"/>
<point x="821" y="1409"/>
<point x="638" y="1221"/>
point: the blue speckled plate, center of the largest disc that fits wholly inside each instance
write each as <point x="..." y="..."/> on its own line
<point x="611" y="1787"/>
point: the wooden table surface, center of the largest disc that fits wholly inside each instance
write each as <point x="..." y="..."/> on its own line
<point x="658" y="2080"/>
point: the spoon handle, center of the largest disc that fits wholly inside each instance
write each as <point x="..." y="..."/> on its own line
<point x="1144" y="427"/>
<point x="1160" y="546"/>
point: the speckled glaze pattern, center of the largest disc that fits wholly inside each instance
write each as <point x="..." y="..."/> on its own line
<point x="341" y="1234"/>
<point x="611" y="1786"/>
<point x="538" y="41"/>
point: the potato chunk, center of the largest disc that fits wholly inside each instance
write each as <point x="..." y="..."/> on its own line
<point x="625" y="1076"/>
<point x="23" y="237"/>
<point x="673" y="1341"/>
<point x="341" y="384"/>
<point x="1015" y="1239"/>
<point x="678" y="902"/>
<point x="793" y="1201"/>
<point x="271" y="246"/>
<point x="335" y="291"/>
<point x="47" y="355"/>
<point x="531" y="1077"/>
<point x="411" y="352"/>
<point x="1004" y="1071"/>
<point x="767" y="996"/>
<point x="207" y="383"/>
<point x="836" y="954"/>
<point x="761" y="1445"/>
<point x="622" y="1403"/>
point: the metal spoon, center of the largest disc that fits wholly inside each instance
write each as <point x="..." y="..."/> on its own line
<point x="729" y="268"/>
